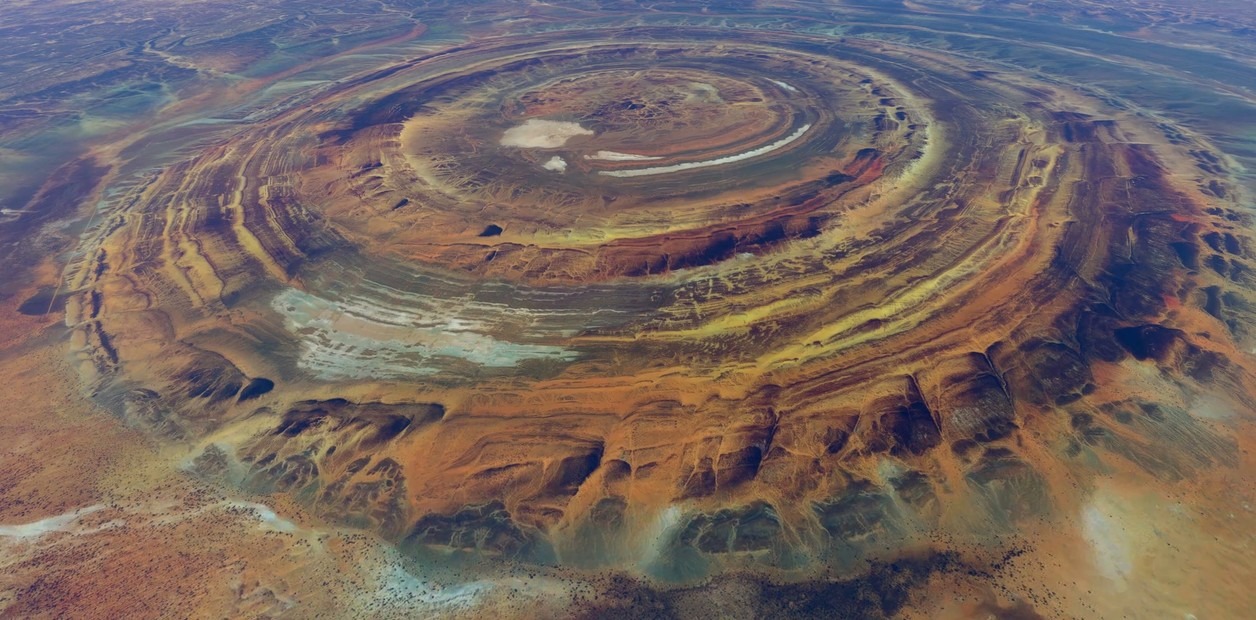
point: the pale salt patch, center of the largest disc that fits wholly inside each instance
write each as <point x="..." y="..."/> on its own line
<point x="617" y="156"/>
<point x="397" y="591"/>
<point x="535" y="133"/>
<point x="785" y="86"/>
<point x="58" y="523"/>
<point x="1108" y="541"/>
<point x="397" y="587"/>
<point x="763" y="150"/>
<point x="657" y="535"/>
<point x="1211" y="408"/>
<point x="267" y="516"/>
<point x="360" y="338"/>
<point x="556" y="164"/>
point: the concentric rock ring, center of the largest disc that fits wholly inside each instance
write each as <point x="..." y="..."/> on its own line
<point x="739" y="161"/>
<point x="888" y="290"/>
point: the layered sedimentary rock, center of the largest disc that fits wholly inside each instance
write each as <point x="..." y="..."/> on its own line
<point x="680" y="301"/>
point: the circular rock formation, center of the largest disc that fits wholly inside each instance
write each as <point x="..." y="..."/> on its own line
<point x="665" y="156"/>
<point x="668" y="299"/>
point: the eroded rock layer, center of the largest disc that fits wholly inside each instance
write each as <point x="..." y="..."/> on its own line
<point x="683" y="300"/>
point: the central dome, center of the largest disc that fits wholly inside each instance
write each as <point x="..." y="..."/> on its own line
<point x="602" y="160"/>
<point x="652" y="114"/>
